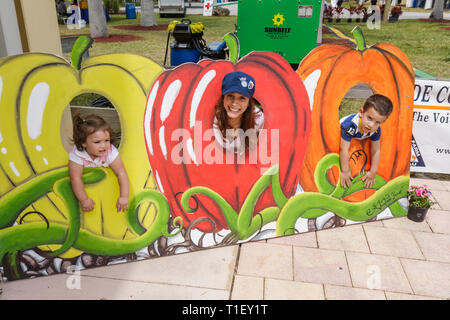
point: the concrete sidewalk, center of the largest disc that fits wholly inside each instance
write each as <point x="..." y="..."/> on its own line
<point x="421" y="15"/>
<point x="387" y="259"/>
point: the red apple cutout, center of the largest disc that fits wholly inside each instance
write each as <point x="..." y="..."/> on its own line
<point x="183" y="153"/>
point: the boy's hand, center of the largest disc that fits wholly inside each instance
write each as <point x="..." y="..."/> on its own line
<point x="346" y="178"/>
<point x="122" y="204"/>
<point x="369" y="179"/>
<point x="87" y="204"/>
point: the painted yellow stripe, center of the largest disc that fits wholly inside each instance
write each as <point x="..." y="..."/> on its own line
<point x="431" y="107"/>
<point x="340" y="35"/>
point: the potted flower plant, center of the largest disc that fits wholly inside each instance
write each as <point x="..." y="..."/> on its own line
<point x="395" y="13"/>
<point x="365" y="13"/>
<point x="381" y="10"/>
<point x="328" y="13"/>
<point x="419" y="202"/>
<point x="352" y="11"/>
<point x="339" y="11"/>
<point x="358" y="11"/>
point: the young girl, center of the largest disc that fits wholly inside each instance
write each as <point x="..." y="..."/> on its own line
<point x="93" y="148"/>
<point x="236" y="113"/>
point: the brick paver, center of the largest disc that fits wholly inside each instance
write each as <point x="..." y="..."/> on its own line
<point x="350" y="238"/>
<point x="321" y="266"/>
<point x="439" y="221"/>
<point x="247" y="288"/>
<point x="394" y="259"/>
<point x="262" y="259"/>
<point x="371" y="271"/>
<point x="292" y="290"/>
<point x="348" y="293"/>
<point x="392" y="242"/>
<point x="435" y="246"/>
<point x="428" y="278"/>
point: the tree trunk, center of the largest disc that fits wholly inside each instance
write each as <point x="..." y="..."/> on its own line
<point x="97" y="19"/>
<point x="438" y="10"/>
<point x="387" y="10"/>
<point x="147" y="13"/>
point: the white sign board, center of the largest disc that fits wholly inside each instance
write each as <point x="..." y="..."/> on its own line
<point x="208" y="7"/>
<point x="430" y="148"/>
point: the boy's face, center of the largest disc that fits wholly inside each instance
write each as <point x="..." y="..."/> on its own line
<point x="371" y="119"/>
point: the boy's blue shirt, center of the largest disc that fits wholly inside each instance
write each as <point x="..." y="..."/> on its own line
<point x="350" y="129"/>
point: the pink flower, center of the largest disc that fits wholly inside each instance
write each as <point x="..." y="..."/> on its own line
<point x="421" y="192"/>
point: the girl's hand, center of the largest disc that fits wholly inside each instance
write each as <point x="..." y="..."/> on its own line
<point x="87" y="205"/>
<point x="122" y="204"/>
<point x="119" y="169"/>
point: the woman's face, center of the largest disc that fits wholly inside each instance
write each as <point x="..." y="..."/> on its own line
<point x="235" y="104"/>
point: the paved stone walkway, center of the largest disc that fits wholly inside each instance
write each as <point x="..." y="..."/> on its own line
<point x="387" y="259"/>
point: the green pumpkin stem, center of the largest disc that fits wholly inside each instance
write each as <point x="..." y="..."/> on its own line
<point x="359" y="37"/>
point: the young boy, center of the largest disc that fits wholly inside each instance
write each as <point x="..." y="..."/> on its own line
<point x="363" y="125"/>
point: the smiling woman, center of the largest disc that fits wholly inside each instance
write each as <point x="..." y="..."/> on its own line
<point x="183" y="152"/>
<point x="237" y="116"/>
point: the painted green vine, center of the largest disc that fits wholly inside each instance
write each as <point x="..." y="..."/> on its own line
<point x="15" y="238"/>
<point x="308" y="204"/>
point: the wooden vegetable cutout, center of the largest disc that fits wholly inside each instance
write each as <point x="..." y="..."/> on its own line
<point x="338" y="67"/>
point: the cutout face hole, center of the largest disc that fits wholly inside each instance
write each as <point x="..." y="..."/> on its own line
<point x="354" y="99"/>
<point x="85" y="104"/>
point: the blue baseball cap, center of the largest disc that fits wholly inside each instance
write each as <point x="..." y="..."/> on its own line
<point x="238" y="82"/>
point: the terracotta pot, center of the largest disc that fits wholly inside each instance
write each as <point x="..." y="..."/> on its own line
<point x="393" y="18"/>
<point x="417" y="214"/>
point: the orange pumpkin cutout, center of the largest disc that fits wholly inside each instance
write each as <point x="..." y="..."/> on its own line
<point x="386" y="70"/>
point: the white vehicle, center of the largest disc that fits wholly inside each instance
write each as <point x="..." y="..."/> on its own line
<point x="170" y="8"/>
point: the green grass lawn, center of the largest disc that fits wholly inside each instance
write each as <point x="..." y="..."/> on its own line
<point x="425" y="43"/>
<point x="154" y="45"/>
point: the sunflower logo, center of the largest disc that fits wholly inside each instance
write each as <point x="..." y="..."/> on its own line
<point x="278" y="19"/>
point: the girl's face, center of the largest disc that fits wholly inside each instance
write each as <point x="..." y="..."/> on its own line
<point x="97" y="143"/>
<point x="235" y="104"/>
